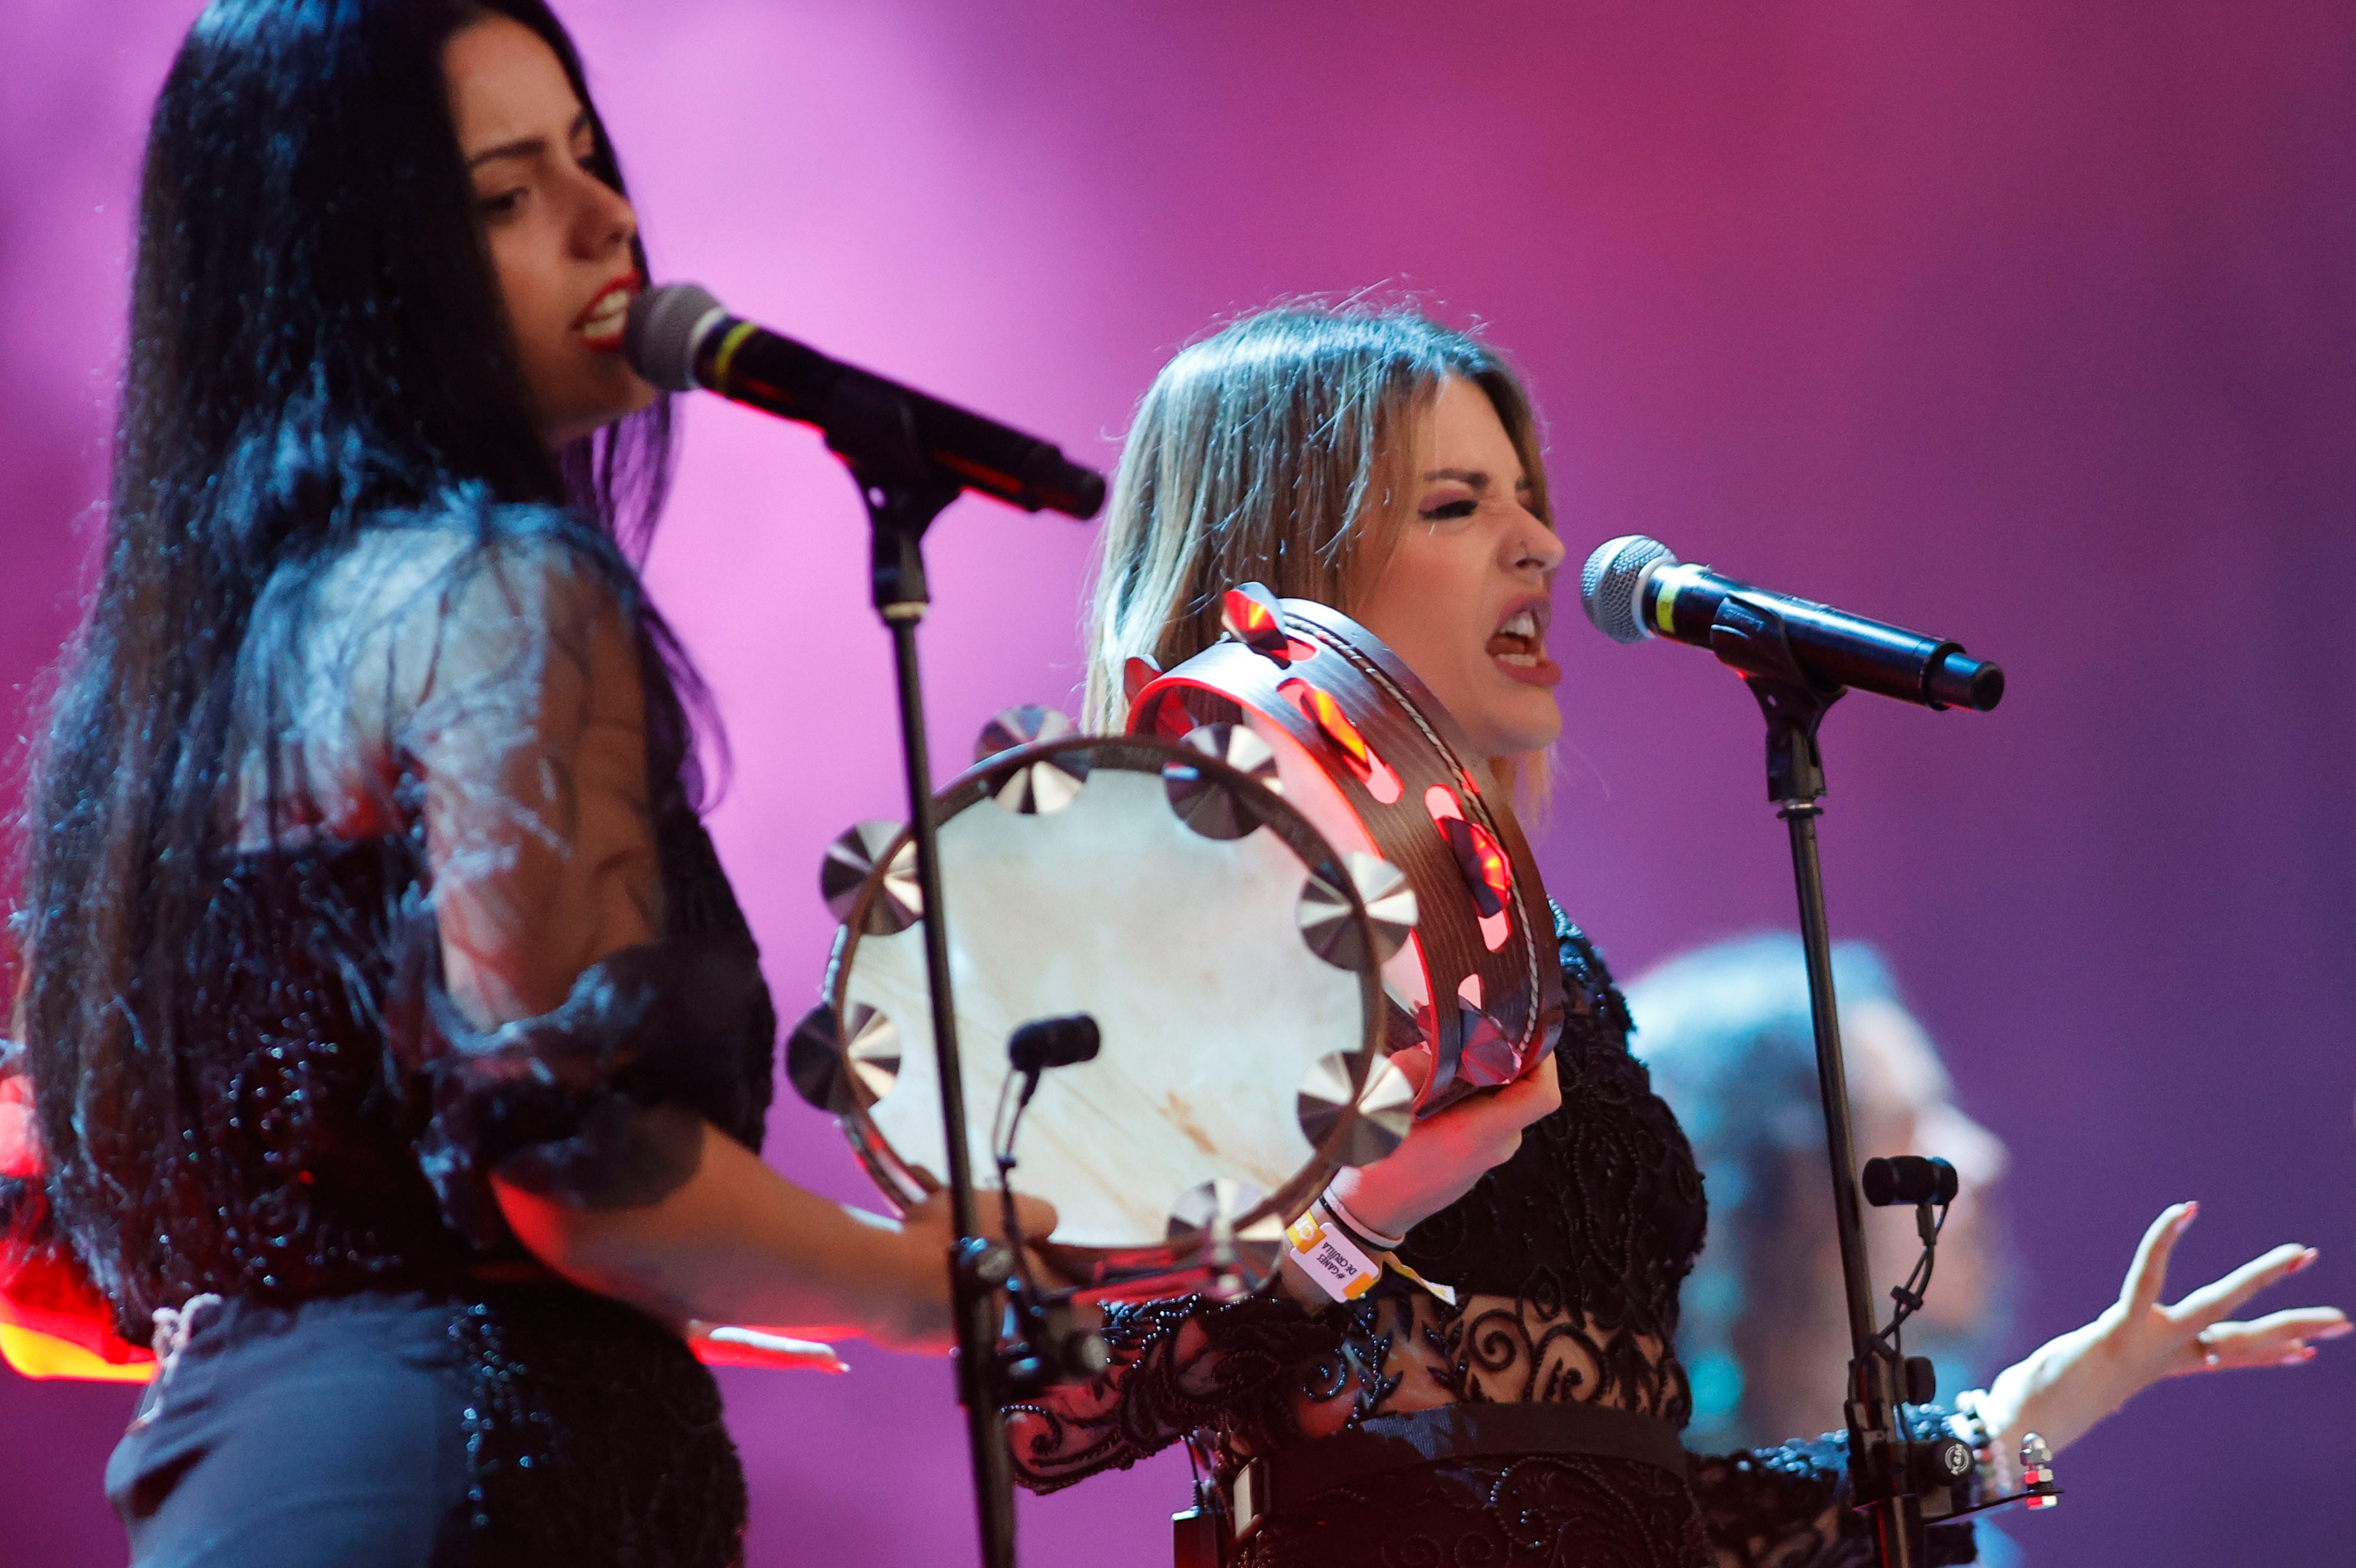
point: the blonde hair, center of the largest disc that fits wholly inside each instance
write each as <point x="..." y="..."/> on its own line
<point x="1273" y="451"/>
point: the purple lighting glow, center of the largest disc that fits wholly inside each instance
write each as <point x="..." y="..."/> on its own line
<point x="2034" y="324"/>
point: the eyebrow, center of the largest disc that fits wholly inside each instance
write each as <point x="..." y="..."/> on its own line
<point x="526" y="146"/>
<point x="1473" y="480"/>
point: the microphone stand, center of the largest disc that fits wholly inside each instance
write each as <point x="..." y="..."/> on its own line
<point x="1749" y="636"/>
<point x="874" y="432"/>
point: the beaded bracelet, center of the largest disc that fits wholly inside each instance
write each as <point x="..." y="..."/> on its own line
<point x="1970" y="1425"/>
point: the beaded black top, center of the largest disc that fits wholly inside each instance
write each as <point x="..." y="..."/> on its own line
<point x="340" y="1116"/>
<point x="1566" y="1261"/>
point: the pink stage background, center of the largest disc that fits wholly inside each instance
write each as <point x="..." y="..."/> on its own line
<point x="2033" y="324"/>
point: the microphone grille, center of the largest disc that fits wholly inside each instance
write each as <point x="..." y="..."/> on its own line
<point x="1608" y="583"/>
<point x="660" y="338"/>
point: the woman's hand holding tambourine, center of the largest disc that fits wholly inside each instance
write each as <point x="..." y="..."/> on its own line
<point x="1444" y="1155"/>
<point x="928" y="1231"/>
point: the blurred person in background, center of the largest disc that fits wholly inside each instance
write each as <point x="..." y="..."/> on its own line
<point x="1726" y="1033"/>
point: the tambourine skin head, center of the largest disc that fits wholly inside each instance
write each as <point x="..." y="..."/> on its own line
<point x="1161" y="897"/>
<point x="1369" y="755"/>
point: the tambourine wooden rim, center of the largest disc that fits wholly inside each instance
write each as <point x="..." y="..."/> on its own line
<point x="1244" y="1240"/>
<point x="1419" y="755"/>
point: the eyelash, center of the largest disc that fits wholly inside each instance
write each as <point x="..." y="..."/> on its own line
<point x="1460" y="510"/>
<point x="509" y="202"/>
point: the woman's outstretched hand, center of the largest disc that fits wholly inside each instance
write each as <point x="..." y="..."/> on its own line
<point x="1444" y="1155"/>
<point x="2068" y="1384"/>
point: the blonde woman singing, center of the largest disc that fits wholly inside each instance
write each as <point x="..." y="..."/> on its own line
<point x="1383" y="465"/>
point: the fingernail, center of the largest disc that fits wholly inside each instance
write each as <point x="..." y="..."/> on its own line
<point x="2336" y="1331"/>
<point x="2189" y="1209"/>
<point x="2299" y="1356"/>
<point x="2304" y="1259"/>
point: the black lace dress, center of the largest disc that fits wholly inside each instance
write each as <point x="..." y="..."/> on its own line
<point x="1566" y="1261"/>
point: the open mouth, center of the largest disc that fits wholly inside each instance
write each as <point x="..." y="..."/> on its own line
<point x="600" y="326"/>
<point x="1518" y="645"/>
<point x="1520" y="641"/>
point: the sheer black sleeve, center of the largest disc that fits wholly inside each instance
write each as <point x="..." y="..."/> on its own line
<point x="595" y="999"/>
<point x="602" y="1102"/>
<point x="1245" y="1369"/>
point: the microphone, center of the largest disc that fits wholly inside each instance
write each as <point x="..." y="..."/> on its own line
<point x="1909" y="1178"/>
<point x="1632" y="588"/>
<point x="680" y="336"/>
<point x="1054" y="1042"/>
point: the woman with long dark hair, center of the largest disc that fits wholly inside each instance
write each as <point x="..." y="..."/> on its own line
<point x="389" y="1040"/>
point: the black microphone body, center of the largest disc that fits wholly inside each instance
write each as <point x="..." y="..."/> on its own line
<point x="1633" y="588"/>
<point x="680" y="337"/>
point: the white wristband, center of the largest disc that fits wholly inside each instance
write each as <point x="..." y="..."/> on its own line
<point x="1331" y="1259"/>
<point x="1334" y="1205"/>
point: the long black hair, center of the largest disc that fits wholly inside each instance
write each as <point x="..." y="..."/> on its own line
<point x="318" y="342"/>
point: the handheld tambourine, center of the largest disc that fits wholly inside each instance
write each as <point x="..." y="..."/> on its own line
<point x="1366" y="752"/>
<point x="1225" y="952"/>
<point x="1248" y="968"/>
